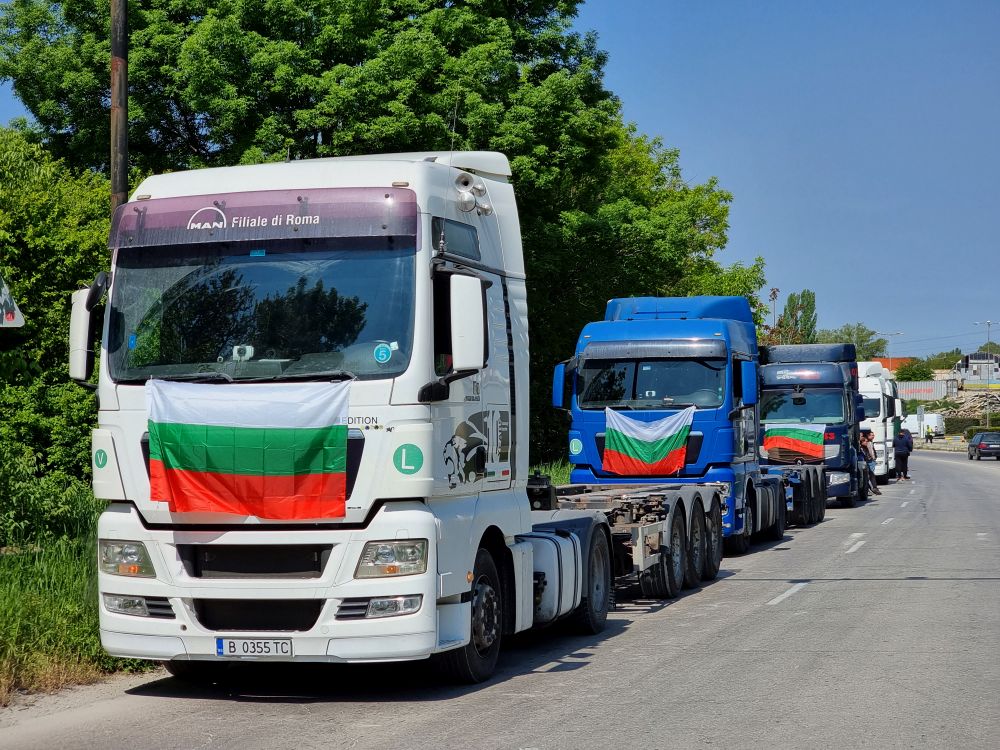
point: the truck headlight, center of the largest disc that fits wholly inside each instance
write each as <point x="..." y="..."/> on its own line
<point x="125" y="558"/>
<point x="394" y="606"/>
<point x="404" y="557"/>
<point x="837" y="477"/>
<point x="126" y="605"/>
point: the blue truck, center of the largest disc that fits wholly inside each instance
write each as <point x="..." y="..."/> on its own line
<point x="652" y="357"/>
<point x="811" y="412"/>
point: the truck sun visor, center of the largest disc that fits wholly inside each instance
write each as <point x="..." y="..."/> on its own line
<point x="662" y="349"/>
<point x="266" y="215"/>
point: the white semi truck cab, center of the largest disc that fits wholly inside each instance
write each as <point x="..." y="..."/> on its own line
<point x="883" y="412"/>
<point x="402" y="276"/>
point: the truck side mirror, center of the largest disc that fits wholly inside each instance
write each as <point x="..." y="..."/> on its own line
<point x="558" y="385"/>
<point x="890" y="407"/>
<point x="81" y="356"/>
<point x="748" y="373"/>
<point x="468" y="323"/>
<point x="900" y="408"/>
<point x="859" y="414"/>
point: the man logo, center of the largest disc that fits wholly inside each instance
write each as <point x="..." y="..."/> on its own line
<point x="203" y="218"/>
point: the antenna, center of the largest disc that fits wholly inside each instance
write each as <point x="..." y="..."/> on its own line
<point x="454" y="123"/>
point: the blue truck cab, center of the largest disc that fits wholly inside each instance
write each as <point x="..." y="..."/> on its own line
<point x="816" y="385"/>
<point x="653" y="356"/>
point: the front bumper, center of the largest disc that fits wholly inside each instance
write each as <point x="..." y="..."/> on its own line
<point x="180" y="633"/>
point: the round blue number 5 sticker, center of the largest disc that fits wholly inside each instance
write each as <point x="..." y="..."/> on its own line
<point x="382" y="353"/>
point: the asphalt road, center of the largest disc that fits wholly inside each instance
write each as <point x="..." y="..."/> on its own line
<point x="878" y="628"/>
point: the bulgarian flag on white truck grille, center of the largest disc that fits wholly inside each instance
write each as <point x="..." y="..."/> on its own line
<point x="270" y="450"/>
<point x="633" y="448"/>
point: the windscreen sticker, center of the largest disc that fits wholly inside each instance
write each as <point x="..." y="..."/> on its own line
<point x="131" y="340"/>
<point x="382" y="353"/>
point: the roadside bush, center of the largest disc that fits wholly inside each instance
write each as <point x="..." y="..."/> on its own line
<point x="958" y="425"/>
<point x="970" y="432"/>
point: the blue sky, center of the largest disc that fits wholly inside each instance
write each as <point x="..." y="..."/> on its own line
<point x="861" y="141"/>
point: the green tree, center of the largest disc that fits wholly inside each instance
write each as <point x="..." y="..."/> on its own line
<point x="53" y="239"/>
<point x="604" y="210"/>
<point x="915" y="370"/>
<point x="944" y="360"/>
<point x="863" y="337"/>
<point x="797" y="322"/>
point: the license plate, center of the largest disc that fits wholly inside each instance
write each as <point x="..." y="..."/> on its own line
<point x="994" y="446"/>
<point x="254" y="648"/>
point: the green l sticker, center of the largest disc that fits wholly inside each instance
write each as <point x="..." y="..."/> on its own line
<point x="408" y="459"/>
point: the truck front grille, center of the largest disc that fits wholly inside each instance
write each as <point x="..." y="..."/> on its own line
<point x="258" y="614"/>
<point x="159" y="606"/>
<point x="254" y="560"/>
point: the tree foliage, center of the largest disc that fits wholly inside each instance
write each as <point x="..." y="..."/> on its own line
<point x="913" y="371"/>
<point x="604" y="210"/>
<point x="53" y="238"/>
<point x="944" y="360"/>
<point x="863" y="337"/>
<point x="797" y="322"/>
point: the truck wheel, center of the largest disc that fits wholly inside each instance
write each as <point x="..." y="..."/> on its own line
<point x="592" y="614"/>
<point x="713" y="544"/>
<point x="863" y="488"/>
<point x="477" y="660"/>
<point x="776" y="531"/>
<point x="820" y="494"/>
<point x="697" y="547"/>
<point x="740" y="545"/>
<point x="665" y="578"/>
<point x="809" y="506"/>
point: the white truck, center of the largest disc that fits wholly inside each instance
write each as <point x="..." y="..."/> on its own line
<point x="402" y="275"/>
<point x="918" y="424"/>
<point x="883" y="409"/>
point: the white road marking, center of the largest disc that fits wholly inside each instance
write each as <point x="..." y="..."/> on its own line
<point x="890" y="519"/>
<point x="904" y="504"/>
<point x="855" y="547"/>
<point x="981" y="535"/>
<point x="792" y="590"/>
<point x="912" y="491"/>
<point x="855" y="535"/>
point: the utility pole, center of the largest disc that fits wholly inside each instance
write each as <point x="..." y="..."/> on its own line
<point x="119" y="103"/>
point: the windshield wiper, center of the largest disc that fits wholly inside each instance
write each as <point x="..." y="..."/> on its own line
<point x="318" y="375"/>
<point x="197" y="377"/>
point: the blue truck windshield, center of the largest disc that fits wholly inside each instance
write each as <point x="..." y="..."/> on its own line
<point x="786" y="406"/>
<point x="651" y="383"/>
<point x="268" y="310"/>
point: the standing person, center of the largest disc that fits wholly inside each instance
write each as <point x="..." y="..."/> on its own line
<point x="902" y="445"/>
<point x="868" y="452"/>
<point x="930" y="435"/>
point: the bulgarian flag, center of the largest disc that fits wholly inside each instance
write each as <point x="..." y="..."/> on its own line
<point x="276" y="451"/>
<point x="801" y="440"/>
<point x="633" y="448"/>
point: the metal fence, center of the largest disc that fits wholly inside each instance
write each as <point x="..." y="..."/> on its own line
<point x="927" y="390"/>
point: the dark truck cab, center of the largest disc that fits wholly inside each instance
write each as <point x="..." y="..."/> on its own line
<point x="812" y="389"/>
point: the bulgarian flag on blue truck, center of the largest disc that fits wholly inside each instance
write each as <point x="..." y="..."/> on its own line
<point x="795" y="441"/>
<point x="633" y="448"/>
<point x="275" y="451"/>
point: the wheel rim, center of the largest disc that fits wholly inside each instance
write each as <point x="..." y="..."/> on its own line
<point x="485" y="616"/>
<point x="747" y="521"/>
<point x="676" y="553"/>
<point x="598" y="578"/>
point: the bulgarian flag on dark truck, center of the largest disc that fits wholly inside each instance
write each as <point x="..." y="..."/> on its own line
<point x="275" y="451"/>
<point x="633" y="448"/>
<point x="795" y="440"/>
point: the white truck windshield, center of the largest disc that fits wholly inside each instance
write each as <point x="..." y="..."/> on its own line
<point x="266" y="310"/>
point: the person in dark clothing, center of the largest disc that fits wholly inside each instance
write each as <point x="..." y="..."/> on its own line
<point x="902" y="446"/>
<point x="868" y="452"/>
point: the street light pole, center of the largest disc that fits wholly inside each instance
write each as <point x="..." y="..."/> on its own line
<point x="888" y="346"/>
<point x="989" y="369"/>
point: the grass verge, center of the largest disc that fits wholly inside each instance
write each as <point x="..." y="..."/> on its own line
<point x="49" y="635"/>
<point x="558" y="471"/>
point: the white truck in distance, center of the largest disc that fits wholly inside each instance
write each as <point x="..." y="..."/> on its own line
<point x="918" y="424"/>
<point x="882" y="414"/>
<point x="402" y="275"/>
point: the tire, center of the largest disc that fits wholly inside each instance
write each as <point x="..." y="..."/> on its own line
<point x="677" y="561"/>
<point x="713" y="544"/>
<point x="863" y="488"/>
<point x="476" y="661"/>
<point x="810" y="508"/>
<point x="697" y="549"/>
<point x="979" y="456"/>
<point x="776" y="531"/>
<point x="851" y="501"/>
<point x="740" y="545"/>
<point x="592" y="614"/>
<point x="820" y="495"/>
<point x="970" y="455"/>
<point x="196" y="672"/>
